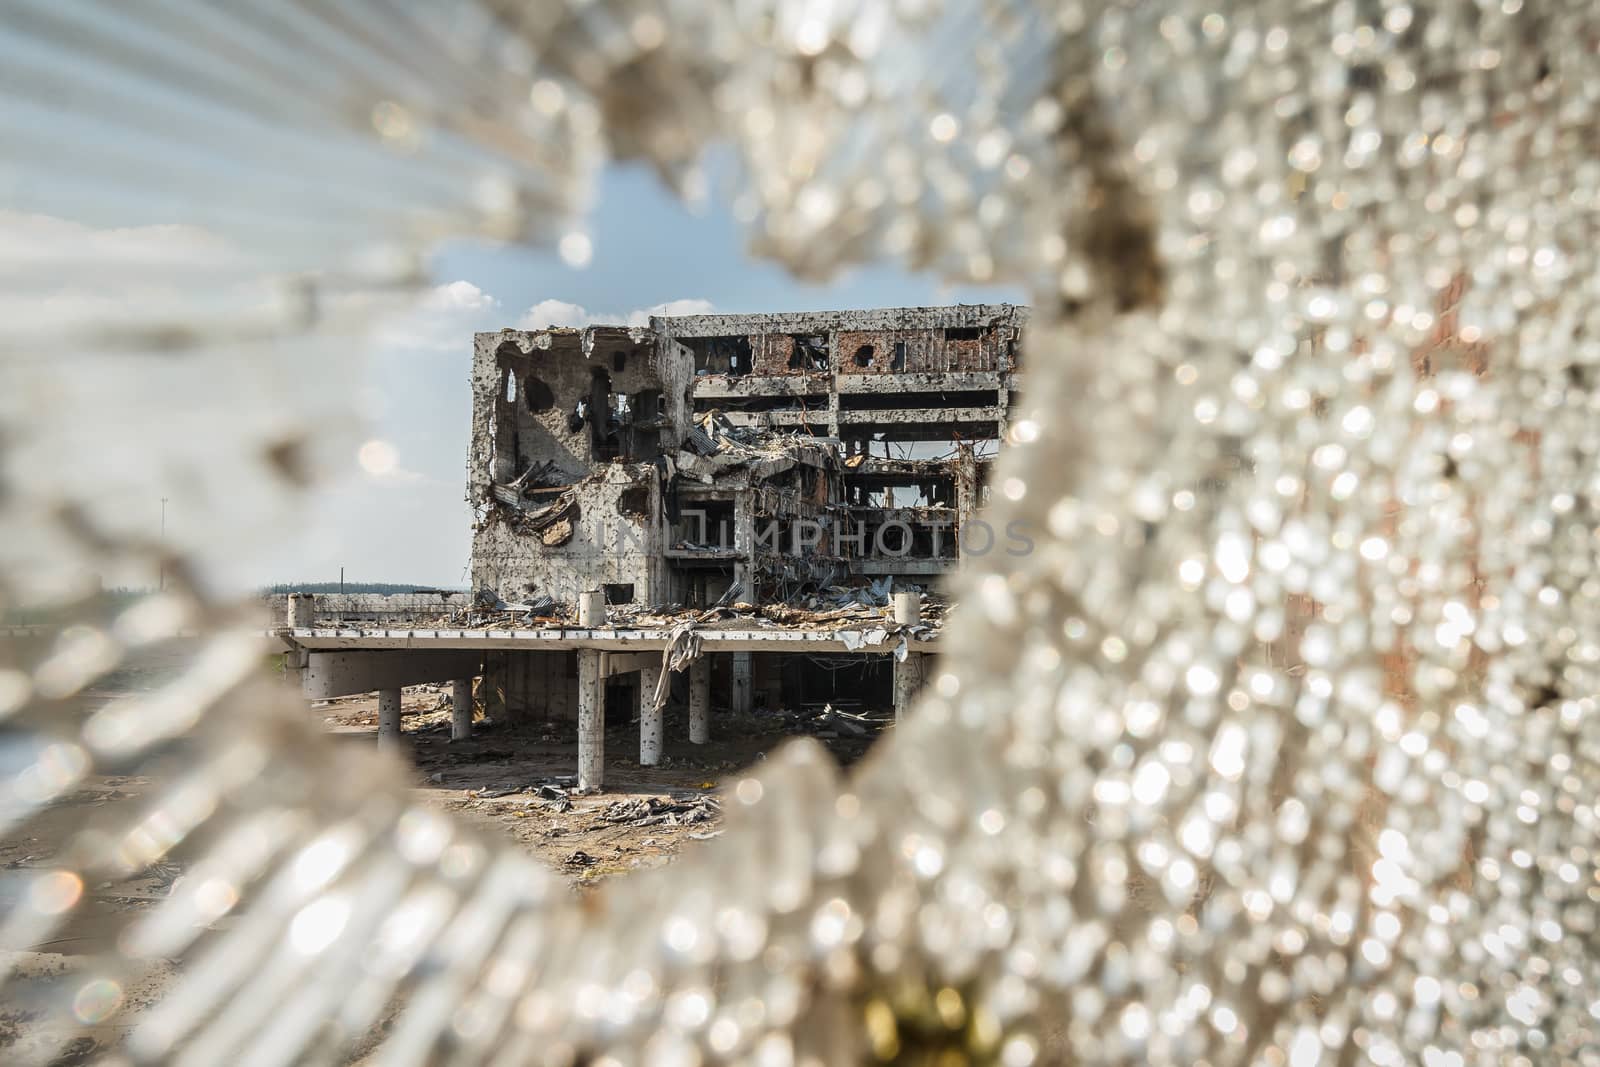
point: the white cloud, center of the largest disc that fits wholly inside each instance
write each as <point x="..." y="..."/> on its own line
<point x="562" y="313"/>
<point x="458" y="295"/>
<point x="444" y="320"/>
<point x="554" y="313"/>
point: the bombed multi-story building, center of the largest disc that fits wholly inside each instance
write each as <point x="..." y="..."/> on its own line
<point x="738" y="512"/>
<point x="735" y="458"/>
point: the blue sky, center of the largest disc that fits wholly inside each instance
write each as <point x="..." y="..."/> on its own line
<point x="398" y="513"/>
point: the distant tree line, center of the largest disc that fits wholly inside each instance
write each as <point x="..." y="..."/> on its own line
<point x="385" y="588"/>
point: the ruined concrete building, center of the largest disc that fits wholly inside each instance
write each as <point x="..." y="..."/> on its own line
<point x="735" y="458"/>
<point x="730" y="511"/>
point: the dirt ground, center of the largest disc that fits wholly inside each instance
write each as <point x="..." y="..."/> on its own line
<point x="516" y="778"/>
<point x="513" y="779"/>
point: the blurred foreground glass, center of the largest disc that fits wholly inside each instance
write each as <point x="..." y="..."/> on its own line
<point x="1280" y="747"/>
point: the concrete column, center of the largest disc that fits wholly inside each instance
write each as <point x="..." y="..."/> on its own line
<point x="592" y="608"/>
<point x="302" y="612"/>
<point x="907" y="609"/>
<point x="838" y="359"/>
<point x="907" y="680"/>
<point x="591" y="722"/>
<point x="966" y="468"/>
<point x="294" y="670"/>
<point x="700" y="700"/>
<point x="650" y="717"/>
<point x="744" y="542"/>
<point x="743" y="679"/>
<point x="461" y="709"/>
<point x="389" y="718"/>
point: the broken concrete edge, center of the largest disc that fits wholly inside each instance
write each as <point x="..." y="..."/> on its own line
<point x="586" y="441"/>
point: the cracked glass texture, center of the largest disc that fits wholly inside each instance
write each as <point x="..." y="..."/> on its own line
<point x="1279" y="747"/>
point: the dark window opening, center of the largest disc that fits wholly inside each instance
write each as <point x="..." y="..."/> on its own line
<point x="949" y="398"/>
<point x="635" y="502"/>
<point x="619" y="592"/>
<point x="720" y="355"/>
<point x="537" y="395"/>
<point x="863" y="356"/>
<point x="699" y="585"/>
<point x="619" y="360"/>
<point x="602" y="416"/>
<point x="785" y="402"/>
<point x="704" y="524"/>
<point x="647" y="404"/>
<point x="810" y="353"/>
<point x="963" y="333"/>
<point x="899" y="360"/>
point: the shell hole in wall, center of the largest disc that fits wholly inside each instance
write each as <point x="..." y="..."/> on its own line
<point x="810" y="352"/>
<point x="537" y="395"/>
<point x="634" y="502"/>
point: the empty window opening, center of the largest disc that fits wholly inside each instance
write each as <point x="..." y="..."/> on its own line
<point x="899" y="361"/>
<point x="764" y="402"/>
<point x="537" y="395"/>
<point x="810" y="353"/>
<point x="511" y="388"/>
<point x="893" y="540"/>
<point x="951" y="398"/>
<point x="863" y="356"/>
<point x="602" y="416"/>
<point x="704" y="524"/>
<point x="721" y="355"/>
<point x="619" y="360"/>
<point x="963" y="333"/>
<point x="647" y="404"/>
<point x="618" y="592"/>
<point x="634" y="502"/>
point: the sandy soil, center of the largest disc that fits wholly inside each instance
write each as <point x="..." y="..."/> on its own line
<point x="644" y="816"/>
<point x="513" y="779"/>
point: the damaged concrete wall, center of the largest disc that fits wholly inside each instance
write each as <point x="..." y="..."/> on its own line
<point x="582" y="440"/>
<point x="561" y="420"/>
<point x="377" y="607"/>
<point x="607" y="533"/>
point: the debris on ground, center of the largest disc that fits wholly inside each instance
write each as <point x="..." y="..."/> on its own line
<point x="654" y="811"/>
<point x="517" y="780"/>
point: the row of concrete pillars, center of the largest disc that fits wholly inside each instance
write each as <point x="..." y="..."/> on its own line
<point x="460" y="713"/>
<point x="591" y="692"/>
<point x="594" y="668"/>
<point x="652" y="719"/>
<point x="591" y="710"/>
